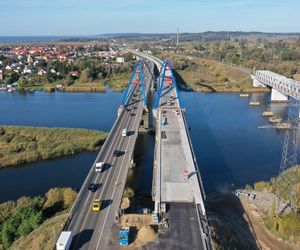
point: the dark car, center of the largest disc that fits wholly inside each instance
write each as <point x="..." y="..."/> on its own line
<point x="132" y="114"/>
<point x="117" y="153"/>
<point x="92" y="187"/>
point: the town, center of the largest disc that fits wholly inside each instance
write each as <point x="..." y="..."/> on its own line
<point x="30" y="67"/>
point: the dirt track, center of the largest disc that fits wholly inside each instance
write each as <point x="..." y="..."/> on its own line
<point x="234" y="226"/>
<point x="265" y="239"/>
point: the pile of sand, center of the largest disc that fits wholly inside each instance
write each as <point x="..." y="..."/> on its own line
<point x="146" y="234"/>
<point x="125" y="203"/>
<point x="136" y="220"/>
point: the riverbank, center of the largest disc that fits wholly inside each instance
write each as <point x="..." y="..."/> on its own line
<point x="264" y="221"/>
<point x="206" y="75"/>
<point x="215" y="88"/>
<point x="274" y="207"/>
<point x="20" y="145"/>
<point x="257" y="220"/>
<point x="34" y="223"/>
<point x="233" y="225"/>
<point x="116" y="83"/>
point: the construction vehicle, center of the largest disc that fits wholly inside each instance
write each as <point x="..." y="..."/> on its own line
<point x="124" y="236"/>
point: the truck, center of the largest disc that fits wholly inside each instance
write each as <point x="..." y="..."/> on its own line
<point x="99" y="167"/>
<point x="124" y="236"/>
<point x="64" y="241"/>
<point x="124" y="132"/>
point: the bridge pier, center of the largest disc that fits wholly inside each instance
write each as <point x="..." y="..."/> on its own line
<point x="277" y="96"/>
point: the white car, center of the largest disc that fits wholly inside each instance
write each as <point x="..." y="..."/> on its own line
<point x="99" y="167"/>
<point x="124" y="132"/>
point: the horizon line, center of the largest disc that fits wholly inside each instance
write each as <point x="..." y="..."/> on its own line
<point x="158" y="33"/>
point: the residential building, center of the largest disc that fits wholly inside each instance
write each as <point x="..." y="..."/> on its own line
<point x="120" y="60"/>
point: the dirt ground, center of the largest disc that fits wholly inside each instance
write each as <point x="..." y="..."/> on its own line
<point x="142" y="230"/>
<point x="264" y="238"/>
<point x="236" y="223"/>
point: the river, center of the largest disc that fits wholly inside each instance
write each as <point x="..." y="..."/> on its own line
<point x="229" y="146"/>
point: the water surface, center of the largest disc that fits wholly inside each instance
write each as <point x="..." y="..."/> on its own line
<point x="230" y="147"/>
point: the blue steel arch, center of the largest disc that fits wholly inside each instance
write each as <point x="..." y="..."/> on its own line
<point x="166" y="63"/>
<point x="136" y="76"/>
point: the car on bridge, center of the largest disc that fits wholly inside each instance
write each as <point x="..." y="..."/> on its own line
<point x="92" y="187"/>
<point x="99" y="167"/>
<point x="124" y="132"/>
<point x="118" y="153"/>
<point x="97" y="205"/>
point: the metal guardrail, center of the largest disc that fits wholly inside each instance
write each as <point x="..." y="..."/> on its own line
<point x="204" y="228"/>
<point x="89" y="176"/>
<point x="194" y="157"/>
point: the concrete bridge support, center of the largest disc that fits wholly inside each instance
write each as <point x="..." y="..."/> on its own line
<point x="277" y="96"/>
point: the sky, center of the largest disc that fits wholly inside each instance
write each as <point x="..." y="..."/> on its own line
<point x="92" y="17"/>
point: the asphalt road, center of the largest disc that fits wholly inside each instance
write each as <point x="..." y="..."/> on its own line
<point x="91" y="230"/>
<point x="184" y="229"/>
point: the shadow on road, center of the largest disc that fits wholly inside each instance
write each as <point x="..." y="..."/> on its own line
<point x="107" y="166"/>
<point x="81" y="238"/>
<point x="106" y="203"/>
<point x="129" y="133"/>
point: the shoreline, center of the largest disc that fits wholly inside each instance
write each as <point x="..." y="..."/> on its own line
<point x="23" y="145"/>
<point x="263" y="236"/>
<point x="118" y="90"/>
<point x="224" y="210"/>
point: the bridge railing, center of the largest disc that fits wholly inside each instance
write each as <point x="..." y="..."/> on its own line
<point x="285" y="85"/>
<point x="89" y="176"/>
<point x="203" y="223"/>
<point x="194" y="159"/>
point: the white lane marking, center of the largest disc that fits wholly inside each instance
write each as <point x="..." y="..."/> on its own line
<point x="107" y="212"/>
<point x="127" y="121"/>
<point x="113" y="142"/>
<point x="86" y="199"/>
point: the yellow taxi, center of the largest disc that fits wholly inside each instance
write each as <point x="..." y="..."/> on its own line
<point x="97" y="205"/>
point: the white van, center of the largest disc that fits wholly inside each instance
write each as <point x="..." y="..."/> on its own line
<point x="124" y="132"/>
<point x="99" y="167"/>
<point x="64" y="241"/>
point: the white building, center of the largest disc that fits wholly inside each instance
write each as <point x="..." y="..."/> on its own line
<point x="41" y="72"/>
<point x="120" y="59"/>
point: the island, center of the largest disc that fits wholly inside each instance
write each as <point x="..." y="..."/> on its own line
<point x="20" y="145"/>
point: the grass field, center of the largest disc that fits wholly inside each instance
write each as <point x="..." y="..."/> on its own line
<point x="85" y="87"/>
<point x="118" y="82"/>
<point x="20" y="145"/>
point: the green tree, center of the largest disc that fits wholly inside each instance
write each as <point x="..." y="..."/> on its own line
<point x="23" y="220"/>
